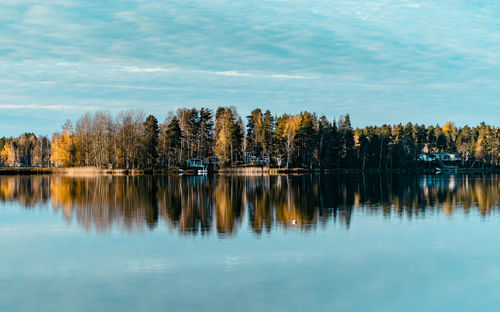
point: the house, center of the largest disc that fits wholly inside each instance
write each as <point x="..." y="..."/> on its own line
<point x="252" y="158"/>
<point x="195" y="163"/>
<point x="429" y="157"/>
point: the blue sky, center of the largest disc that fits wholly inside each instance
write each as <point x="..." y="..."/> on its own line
<point x="381" y="61"/>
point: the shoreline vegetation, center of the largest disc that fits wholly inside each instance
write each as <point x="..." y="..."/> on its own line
<point x="247" y="171"/>
<point x="192" y="139"/>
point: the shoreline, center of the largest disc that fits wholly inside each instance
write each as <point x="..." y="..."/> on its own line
<point x="255" y="171"/>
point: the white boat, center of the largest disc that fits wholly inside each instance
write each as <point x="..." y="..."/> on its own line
<point x="202" y="171"/>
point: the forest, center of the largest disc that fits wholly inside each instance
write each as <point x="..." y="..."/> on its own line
<point x="132" y="140"/>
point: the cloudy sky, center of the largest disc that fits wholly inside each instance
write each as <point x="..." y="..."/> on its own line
<point x="381" y="61"/>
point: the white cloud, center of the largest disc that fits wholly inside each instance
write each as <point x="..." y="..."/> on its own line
<point x="227" y="73"/>
<point x="232" y="73"/>
<point x="282" y="76"/>
<point x="137" y="69"/>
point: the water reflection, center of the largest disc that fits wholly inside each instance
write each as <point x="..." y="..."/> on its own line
<point x="199" y="205"/>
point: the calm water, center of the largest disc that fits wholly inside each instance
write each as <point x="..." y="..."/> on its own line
<point x="280" y="243"/>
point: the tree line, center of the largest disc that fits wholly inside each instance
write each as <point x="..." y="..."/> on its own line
<point x="306" y="140"/>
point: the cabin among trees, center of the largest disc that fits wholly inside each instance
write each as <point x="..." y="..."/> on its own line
<point x="133" y="140"/>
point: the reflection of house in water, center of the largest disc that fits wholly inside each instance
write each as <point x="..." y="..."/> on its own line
<point x="440" y="183"/>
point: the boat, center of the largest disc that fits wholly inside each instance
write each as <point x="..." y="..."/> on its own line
<point x="203" y="171"/>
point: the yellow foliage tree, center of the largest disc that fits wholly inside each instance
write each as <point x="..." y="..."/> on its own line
<point x="8" y="155"/>
<point x="448" y="127"/>
<point x="61" y="149"/>
<point x="227" y="131"/>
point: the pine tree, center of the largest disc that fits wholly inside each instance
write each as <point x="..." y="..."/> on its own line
<point x="151" y="131"/>
<point x="173" y="137"/>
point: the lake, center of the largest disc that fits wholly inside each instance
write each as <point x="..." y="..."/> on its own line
<point x="255" y="243"/>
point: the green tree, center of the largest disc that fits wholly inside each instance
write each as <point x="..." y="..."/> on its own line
<point x="206" y="133"/>
<point x="254" y="132"/>
<point x="305" y="139"/>
<point x="266" y="134"/>
<point x="173" y="137"/>
<point x="151" y="131"/>
<point x="346" y="140"/>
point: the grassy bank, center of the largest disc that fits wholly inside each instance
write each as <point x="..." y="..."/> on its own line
<point x="76" y="171"/>
<point x="24" y="170"/>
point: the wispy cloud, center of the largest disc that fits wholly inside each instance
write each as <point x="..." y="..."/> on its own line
<point x="38" y="107"/>
<point x="227" y="73"/>
<point x="231" y="73"/>
<point x="137" y="69"/>
<point x="282" y="76"/>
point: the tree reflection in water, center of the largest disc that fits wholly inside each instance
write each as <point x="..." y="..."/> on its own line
<point x="199" y="205"/>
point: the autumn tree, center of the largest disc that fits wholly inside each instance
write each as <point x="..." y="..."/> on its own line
<point x="229" y="134"/>
<point x="188" y="123"/>
<point x="283" y="140"/>
<point x="130" y="126"/>
<point x="103" y="143"/>
<point x="130" y="140"/>
<point x="82" y="139"/>
<point x="41" y="152"/>
<point x="62" y="147"/>
<point x="8" y="154"/>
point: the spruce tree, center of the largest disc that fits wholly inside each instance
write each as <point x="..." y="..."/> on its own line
<point x="151" y="131"/>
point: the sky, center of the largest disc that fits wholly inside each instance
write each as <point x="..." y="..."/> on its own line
<point x="380" y="61"/>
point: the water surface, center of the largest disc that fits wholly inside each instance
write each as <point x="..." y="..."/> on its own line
<point x="264" y="243"/>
